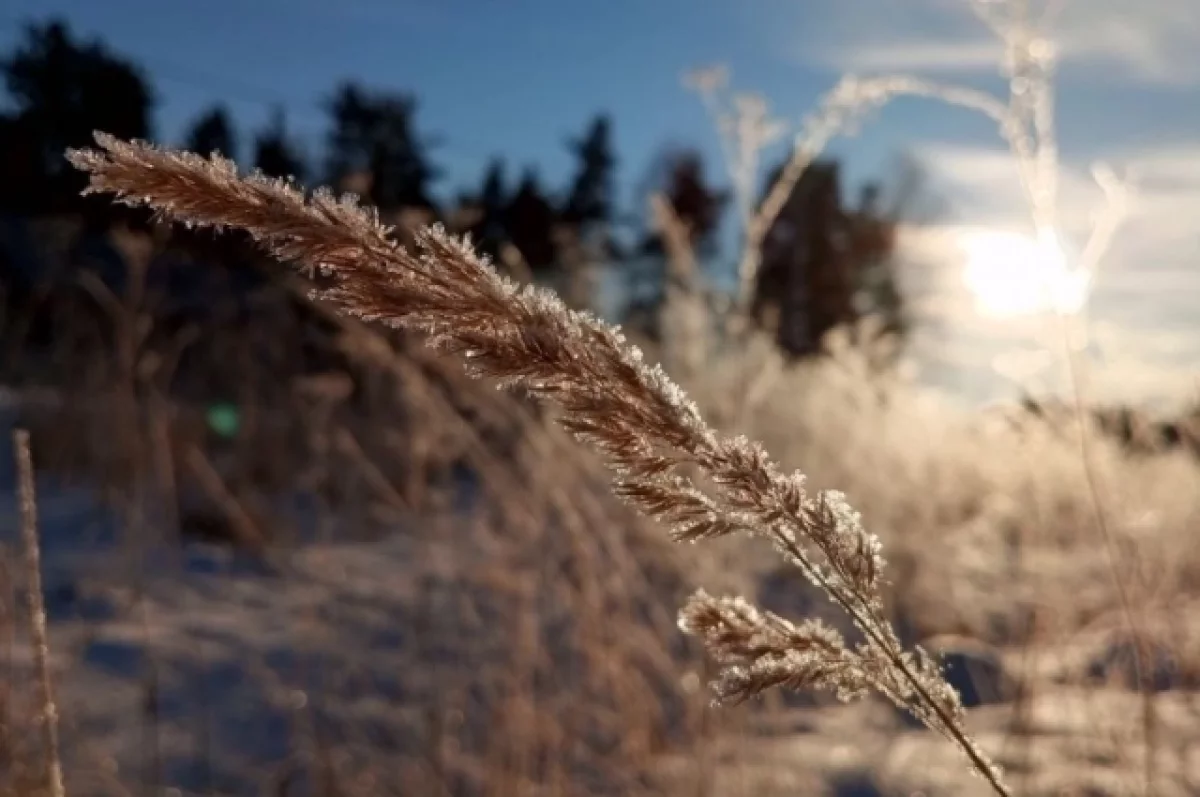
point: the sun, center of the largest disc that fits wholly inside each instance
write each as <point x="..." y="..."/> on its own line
<point x="1011" y="274"/>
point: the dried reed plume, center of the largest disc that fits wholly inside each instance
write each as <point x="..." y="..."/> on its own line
<point x="642" y="424"/>
<point x="48" y="718"/>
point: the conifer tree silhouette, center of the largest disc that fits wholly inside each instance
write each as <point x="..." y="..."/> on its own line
<point x="212" y="132"/>
<point x="374" y="140"/>
<point x="274" y="153"/>
<point x="61" y="91"/>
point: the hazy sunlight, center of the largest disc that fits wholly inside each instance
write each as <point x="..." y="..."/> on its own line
<point x="1014" y="274"/>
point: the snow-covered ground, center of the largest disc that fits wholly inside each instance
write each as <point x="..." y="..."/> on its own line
<point x="194" y="662"/>
<point x="381" y="668"/>
<point x="375" y="665"/>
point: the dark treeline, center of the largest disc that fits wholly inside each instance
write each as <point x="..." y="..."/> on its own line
<point x="212" y="319"/>
<point x="825" y="264"/>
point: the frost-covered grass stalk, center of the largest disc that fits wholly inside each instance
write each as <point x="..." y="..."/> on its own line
<point x="647" y="431"/>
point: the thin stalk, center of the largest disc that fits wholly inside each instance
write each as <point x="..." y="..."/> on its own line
<point x="37" y="611"/>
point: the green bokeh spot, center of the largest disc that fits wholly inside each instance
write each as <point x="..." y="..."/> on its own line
<point x="224" y="419"/>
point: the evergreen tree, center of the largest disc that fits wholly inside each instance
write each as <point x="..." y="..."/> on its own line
<point x="584" y="238"/>
<point x="530" y="220"/>
<point x="825" y="265"/>
<point x="212" y="132"/>
<point x="493" y="197"/>
<point x="873" y="241"/>
<point x="373" y="138"/>
<point x="274" y="154"/>
<point x="489" y="230"/>
<point x="678" y="175"/>
<point x="61" y="91"/>
<point x="590" y="199"/>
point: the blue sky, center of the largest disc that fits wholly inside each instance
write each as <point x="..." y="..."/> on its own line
<point x="518" y="77"/>
<point x="515" y="78"/>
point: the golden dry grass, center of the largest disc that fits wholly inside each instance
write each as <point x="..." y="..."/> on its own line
<point x="546" y="660"/>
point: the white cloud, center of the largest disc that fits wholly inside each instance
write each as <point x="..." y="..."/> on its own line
<point x="1145" y="327"/>
<point x="1152" y="41"/>
<point x="1145" y="324"/>
<point x="918" y="55"/>
<point x="1158" y="40"/>
<point x="983" y="186"/>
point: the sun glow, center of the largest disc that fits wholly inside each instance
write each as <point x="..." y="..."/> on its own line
<point x="1012" y="274"/>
